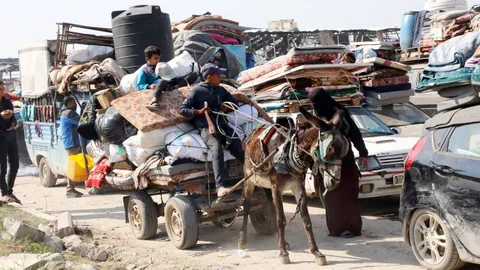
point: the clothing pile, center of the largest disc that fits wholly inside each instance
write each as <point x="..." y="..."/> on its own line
<point x="223" y="38"/>
<point x="81" y="77"/>
<point x="453" y="71"/>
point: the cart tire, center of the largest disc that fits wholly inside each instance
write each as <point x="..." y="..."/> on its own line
<point x="264" y="221"/>
<point x="47" y="178"/>
<point x="142" y="215"/>
<point x="181" y="222"/>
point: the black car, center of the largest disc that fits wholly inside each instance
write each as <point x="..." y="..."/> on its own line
<point x="440" y="201"/>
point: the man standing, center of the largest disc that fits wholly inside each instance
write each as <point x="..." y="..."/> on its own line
<point x="194" y="107"/>
<point x="8" y="148"/>
<point x="69" y="119"/>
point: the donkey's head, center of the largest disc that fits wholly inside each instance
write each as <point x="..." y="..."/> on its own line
<point x="329" y="149"/>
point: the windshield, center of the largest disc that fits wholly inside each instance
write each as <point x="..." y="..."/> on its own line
<point x="368" y="124"/>
<point x="395" y="115"/>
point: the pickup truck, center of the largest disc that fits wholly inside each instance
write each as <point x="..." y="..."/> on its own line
<point x="387" y="153"/>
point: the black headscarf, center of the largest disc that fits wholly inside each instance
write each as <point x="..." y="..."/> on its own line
<point x="325" y="106"/>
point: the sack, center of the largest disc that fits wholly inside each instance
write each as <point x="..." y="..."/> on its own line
<point x="190" y="145"/>
<point x="156" y="138"/>
<point x="113" y="127"/>
<point x="238" y="118"/>
<point x="128" y="84"/>
<point x="118" y="153"/>
<point x="138" y="155"/>
<point x="86" y="125"/>
<point x="177" y="67"/>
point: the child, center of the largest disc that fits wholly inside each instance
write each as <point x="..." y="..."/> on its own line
<point x="147" y="79"/>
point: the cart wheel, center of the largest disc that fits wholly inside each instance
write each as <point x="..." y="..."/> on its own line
<point x="142" y="215"/>
<point x="47" y="178"/>
<point x="264" y="221"/>
<point x="181" y="222"/>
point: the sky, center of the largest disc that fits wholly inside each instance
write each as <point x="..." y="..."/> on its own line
<point x="30" y="20"/>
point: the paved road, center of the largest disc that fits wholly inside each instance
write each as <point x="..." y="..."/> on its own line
<point x="381" y="245"/>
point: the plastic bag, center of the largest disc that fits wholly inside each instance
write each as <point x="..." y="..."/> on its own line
<point x="113" y="127"/>
<point x="128" y="84"/>
<point x="91" y="52"/>
<point x="138" y="155"/>
<point x="118" y="153"/>
<point x="190" y="145"/>
<point x="177" y="67"/>
<point x="239" y="118"/>
<point x="156" y="138"/>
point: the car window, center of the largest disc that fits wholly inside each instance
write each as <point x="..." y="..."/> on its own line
<point x="438" y="137"/>
<point x="368" y="124"/>
<point x="395" y="115"/>
<point x="465" y="140"/>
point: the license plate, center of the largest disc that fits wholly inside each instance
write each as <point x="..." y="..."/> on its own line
<point x="398" y="179"/>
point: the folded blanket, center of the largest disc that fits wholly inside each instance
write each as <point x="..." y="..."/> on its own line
<point x="452" y="54"/>
<point x="381" y="73"/>
<point x="386" y="81"/>
<point x="429" y="79"/>
<point x="385" y="63"/>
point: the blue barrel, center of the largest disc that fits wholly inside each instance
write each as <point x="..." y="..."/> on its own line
<point x="137" y="28"/>
<point x="407" y="29"/>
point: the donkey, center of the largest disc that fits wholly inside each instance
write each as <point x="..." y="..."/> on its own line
<point x="323" y="141"/>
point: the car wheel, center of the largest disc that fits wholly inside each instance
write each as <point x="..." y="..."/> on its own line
<point x="47" y="178"/>
<point x="431" y="242"/>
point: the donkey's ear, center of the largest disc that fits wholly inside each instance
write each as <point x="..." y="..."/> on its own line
<point x="317" y="122"/>
<point x="337" y="120"/>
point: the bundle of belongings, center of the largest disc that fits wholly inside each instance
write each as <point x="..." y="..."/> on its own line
<point x="87" y="76"/>
<point x="385" y="82"/>
<point x="139" y="148"/>
<point x="453" y="71"/>
<point x="199" y="33"/>
<point x="283" y="83"/>
<point x="432" y="27"/>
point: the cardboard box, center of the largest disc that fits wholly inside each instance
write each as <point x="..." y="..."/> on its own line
<point x="105" y="97"/>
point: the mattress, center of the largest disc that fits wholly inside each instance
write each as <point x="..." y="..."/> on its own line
<point x="377" y="102"/>
<point x="386" y="81"/>
<point x="389" y="95"/>
<point x="326" y="54"/>
<point x="430" y="79"/>
<point x="386" y="63"/>
<point x="133" y="108"/>
<point x="259" y="71"/>
<point x="389" y="88"/>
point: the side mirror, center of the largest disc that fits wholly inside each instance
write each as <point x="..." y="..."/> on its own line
<point x="396" y="130"/>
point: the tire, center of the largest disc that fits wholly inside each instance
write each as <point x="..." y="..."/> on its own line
<point x="181" y="222"/>
<point x="47" y="178"/>
<point x="264" y="221"/>
<point x="431" y="242"/>
<point x="142" y="215"/>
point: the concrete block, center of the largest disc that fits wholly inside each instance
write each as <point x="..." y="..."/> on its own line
<point x="55" y="243"/>
<point x="19" y="230"/>
<point x="71" y="241"/>
<point x="65" y="225"/>
<point x="47" y="229"/>
<point x="21" y="261"/>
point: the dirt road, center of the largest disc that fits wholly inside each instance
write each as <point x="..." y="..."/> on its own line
<point x="380" y="247"/>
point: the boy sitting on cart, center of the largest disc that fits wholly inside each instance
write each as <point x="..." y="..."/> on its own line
<point x="214" y="95"/>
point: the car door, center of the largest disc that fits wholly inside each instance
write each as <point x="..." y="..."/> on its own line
<point x="455" y="171"/>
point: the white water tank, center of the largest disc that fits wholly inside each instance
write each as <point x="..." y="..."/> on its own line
<point x="446" y="5"/>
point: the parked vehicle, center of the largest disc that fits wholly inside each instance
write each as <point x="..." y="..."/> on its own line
<point x="403" y="118"/>
<point x="20" y="136"/>
<point x="387" y="151"/>
<point x="427" y="101"/>
<point x="441" y="194"/>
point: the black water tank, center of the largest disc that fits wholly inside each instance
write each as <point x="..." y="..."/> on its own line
<point x="137" y="28"/>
